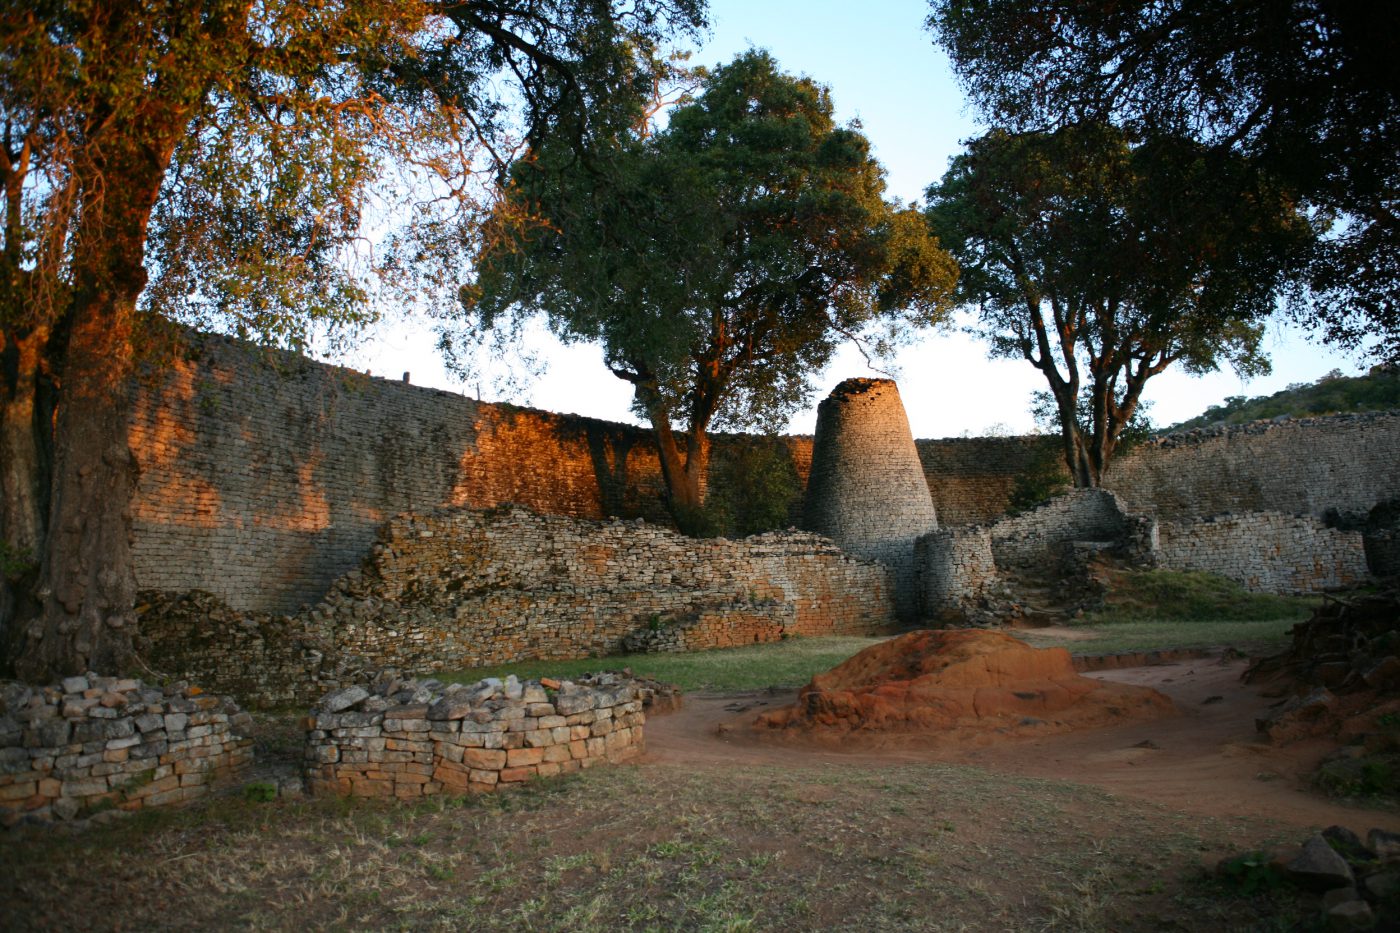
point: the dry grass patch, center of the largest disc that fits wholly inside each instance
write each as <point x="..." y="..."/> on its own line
<point x="918" y="846"/>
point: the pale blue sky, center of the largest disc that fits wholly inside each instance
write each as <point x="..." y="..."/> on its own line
<point x="882" y="69"/>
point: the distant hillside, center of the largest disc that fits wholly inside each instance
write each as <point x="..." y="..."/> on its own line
<point x="1334" y="393"/>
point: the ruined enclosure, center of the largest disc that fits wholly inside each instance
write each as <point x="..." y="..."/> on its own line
<point x="265" y="477"/>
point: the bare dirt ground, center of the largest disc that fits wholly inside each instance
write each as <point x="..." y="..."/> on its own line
<point x="1207" y="760"/>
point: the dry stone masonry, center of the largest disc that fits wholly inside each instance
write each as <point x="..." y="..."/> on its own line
<point x="867" y="490"/>
<point x="465" y="588"/>
<point x="1266" y="551"/>
<point x="411" y="739"/>
<point x="236" y="502"/>
<point x="95" y="743"/>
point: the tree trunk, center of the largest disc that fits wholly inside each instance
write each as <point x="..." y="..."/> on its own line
<point x="684" y="472"/>
<point x="25" y="459"/>
<point x="86" y="580"/>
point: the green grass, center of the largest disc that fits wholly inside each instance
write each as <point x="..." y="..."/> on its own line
<point x="788" y="663"/>
<point x="1257" y="637"/>
<point x="1192" y="597"/>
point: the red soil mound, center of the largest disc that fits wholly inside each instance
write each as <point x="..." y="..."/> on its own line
<point x="961" y="681"/>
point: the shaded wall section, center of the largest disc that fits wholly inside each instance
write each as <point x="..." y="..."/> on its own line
<point x="264" y="475"/>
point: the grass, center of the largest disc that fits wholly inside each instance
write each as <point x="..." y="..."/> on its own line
<point x="788" y="663"/>
<point x="1192" y="597"/>
<point x="1127" y="637"/>
<point x="894" y="846"/>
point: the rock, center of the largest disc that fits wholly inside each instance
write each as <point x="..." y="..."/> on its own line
<point x="74" y="684"/>
<point x="1339" y="896"/>
<point x="1382" y="672"/>
<point x="1351" y="915"/>
<point x="1382" y="885"/>
<point x="343" y="699"/>
<point x="451" y="707"/>
<point x="1318" y="866"/>
<point x="1385" y="844"/>
<point x="65" y="808"/>
<point x="1347" y="844"/>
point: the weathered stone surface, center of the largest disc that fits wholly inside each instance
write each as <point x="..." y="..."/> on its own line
<point x="343" y="699"/>
<point x="1319" y="866"/>
<point x="513" y="737"/>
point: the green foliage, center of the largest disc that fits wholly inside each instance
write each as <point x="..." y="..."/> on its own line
<point x="260" y="791"/>
<point x="15" y="562"/>
<point x="1251" y="873"/>
<point x="1308" y="89"/>
<point x="1368" y="776"/>
<point x="756" y="488"/>
<point x="1334" y="393"/>
<point x="1042" y="478"/>
<point x="718" y="261"/>
<point x="1102" y="259"/>
<point x="1188" y="596"/>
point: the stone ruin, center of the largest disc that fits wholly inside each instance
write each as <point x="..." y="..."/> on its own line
<point x="406" y="739"/>
<point x="91" y="744"/>
<point x="866" y="490"/>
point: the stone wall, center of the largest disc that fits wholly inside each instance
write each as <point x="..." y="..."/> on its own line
<point x="957" y="568"/>
<point x="406" y="739"/>
<point x="867" y="490"/>
<point x="1265" y="551"/>
<point x="464" y="588"/>
<point x="94" y="743"/>
<point x="1307" y="466"/>
<point x="1033" y="538"/>
<point x="971" y="478"/>
<point x="1345" y="463"/>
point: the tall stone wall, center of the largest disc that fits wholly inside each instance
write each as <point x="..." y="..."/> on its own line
<point x="971" y="478"/>
<point x="264" y="475"/>
<point x="1267" y="552"/>
<point x="1033" y="538"/>
<point x="1306" y="466"/>
<point x="466" y="588"/>
<point x="867" y="490"/>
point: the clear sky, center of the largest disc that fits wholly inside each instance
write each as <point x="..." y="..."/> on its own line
<point x="883" y="70"/>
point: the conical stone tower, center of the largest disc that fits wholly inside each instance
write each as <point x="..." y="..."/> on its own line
<point x="867" y="490"/>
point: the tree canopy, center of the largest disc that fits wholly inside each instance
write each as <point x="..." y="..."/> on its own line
<point x="1103" y="260"/>
<point x="719" y="261"/>
<point x="229" y="152"/>
<point x="1309" y="87"/>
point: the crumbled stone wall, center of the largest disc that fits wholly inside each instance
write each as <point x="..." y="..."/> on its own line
<point x="464" y="588"/>
<point x="92" y="743"/>
<point x="408" y="739"/>
<point x="867" y="490"/>
<point x="1265" y="551"/>
<point x="1033" y="538"/>
<point x="956" y="568"/>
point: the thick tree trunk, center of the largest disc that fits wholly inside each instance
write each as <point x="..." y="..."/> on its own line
<point x="25" y="459"/>
<point x="86" y="581"/>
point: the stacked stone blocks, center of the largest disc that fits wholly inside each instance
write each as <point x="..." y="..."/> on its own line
<point x="93" y="743"/>
<point x="410" y="739"/>
<point x="465" y="588"/>
<point x="867" y="490"/>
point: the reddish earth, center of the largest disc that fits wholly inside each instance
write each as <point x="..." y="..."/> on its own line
<point x="960" y="684"/>
<point x="1209" y="759"/>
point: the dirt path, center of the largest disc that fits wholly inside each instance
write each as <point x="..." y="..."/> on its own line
<point x="1206" y="760"/>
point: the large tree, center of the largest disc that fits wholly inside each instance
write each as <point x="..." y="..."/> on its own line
<point x="719" y="260"/>
<point x="1311" y="87"/>
<point x="1102" y="261"/>
<point x="228" y="149"/>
